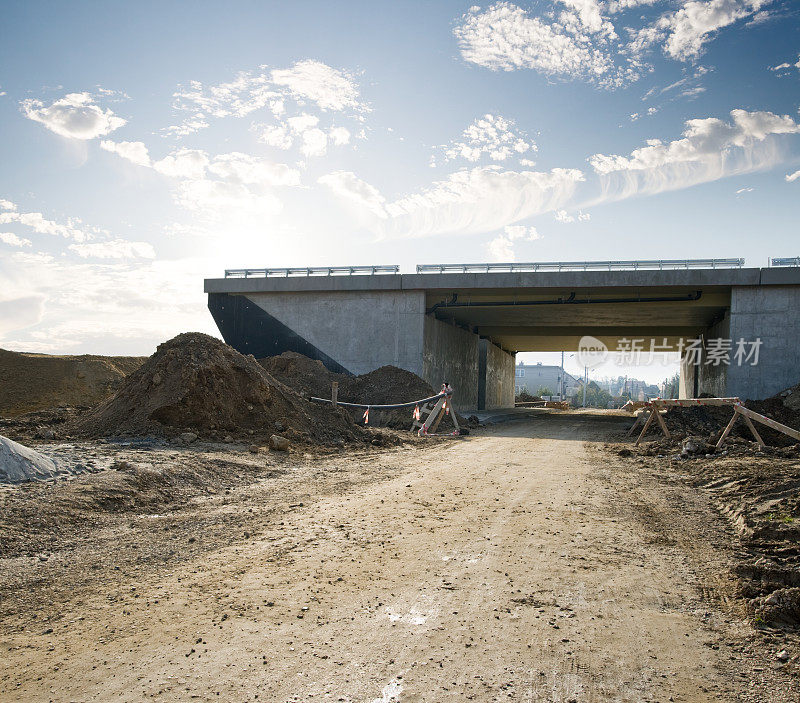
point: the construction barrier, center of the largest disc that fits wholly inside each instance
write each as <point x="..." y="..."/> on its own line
<point x="653" y="408"/>
<point x="435" y="412"/>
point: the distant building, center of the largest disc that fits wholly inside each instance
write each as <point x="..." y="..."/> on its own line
<point x="533" y="377"/>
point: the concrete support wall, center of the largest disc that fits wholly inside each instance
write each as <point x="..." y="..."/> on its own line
<point x="451" y="354"/>
<point x="361" y="330"/>
<point x="773" y="315"/>
<point x="710" y="379"/>
<point x="498" y="381"/>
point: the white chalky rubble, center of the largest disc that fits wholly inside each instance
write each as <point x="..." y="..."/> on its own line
<point x="19" y="463"/>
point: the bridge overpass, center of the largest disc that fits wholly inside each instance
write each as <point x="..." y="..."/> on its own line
<point x="464" y="324"/>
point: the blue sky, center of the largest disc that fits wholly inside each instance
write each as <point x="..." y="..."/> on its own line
<point x="146" y="146"/>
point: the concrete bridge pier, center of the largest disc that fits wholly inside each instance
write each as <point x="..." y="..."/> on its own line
<point x="765" y="316"/>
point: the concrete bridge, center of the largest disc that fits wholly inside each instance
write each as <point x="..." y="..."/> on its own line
<point x="464" y="324"/>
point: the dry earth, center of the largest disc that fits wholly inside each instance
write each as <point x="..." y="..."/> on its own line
<point x="525" y="563"/>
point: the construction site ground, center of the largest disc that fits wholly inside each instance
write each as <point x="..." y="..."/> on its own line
<point x="525" y="562"/>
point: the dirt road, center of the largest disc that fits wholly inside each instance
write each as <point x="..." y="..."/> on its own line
<point x="521" y="564"/>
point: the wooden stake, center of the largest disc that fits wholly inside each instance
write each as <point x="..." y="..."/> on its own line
<point x="729" y="426"/>
<point x="769" y="422"/>
<point x="753" y="430"/>
<point x="437" y="409"/>
<point x="646" y="426"/>
<point x="661" y="422"/>
<point x="334" y="393"/>
<point x="638" y="421"/>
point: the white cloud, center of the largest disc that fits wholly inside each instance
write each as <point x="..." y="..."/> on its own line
<point x="229" y="202"/>
<point x="38" y="223"/>
<point x="183" y="163"/>
<point x="328" y="87"/>
<point x="302" y="122"/>
<point x="615" y="6"/>
<point x="501" y="248"/>
<point x="7" y="205"/>
<point x="491" y="135"/>
<point x="315" y="142"/>
<point x="709" y="149"/>
<point x="576" y="45"/>
<point x="13" y="240"/>
<point x="307" y="81"/>
<point x="685" y="31"/>
<point x="74" y="116"/>
<point x="303" y="128"/>
<point x="339" y="136"/>
<point x="783" y="68"/>
<point x="119" y="306"/>
<point x="189" y="126"/>
<point x="566" y="218"/>
<point x="19" y="313"/>
<point x="244" y="168"/>
<point x="135" y="152"/>
<point x="744" y="190"/>
<point x="274" y="135"/>
<point x="479" y="200"/>
<point x="114" y="249"/>
<point x="347" y="185"/>
<point x="247" y="92"/>
<point x="793" y="176"/>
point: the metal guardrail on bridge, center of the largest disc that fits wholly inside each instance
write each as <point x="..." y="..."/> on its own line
<point x="654" y="264"/>
<point x="790" y="261"/>
<point x="312" y="271"/>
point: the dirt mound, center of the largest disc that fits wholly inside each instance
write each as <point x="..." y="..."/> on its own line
<point x="37" y="381"/>
<point x="305" y="376"/>
<point x="196" y="383"/>
<point x="386" y="385"/>
<point x="711" y="420"/>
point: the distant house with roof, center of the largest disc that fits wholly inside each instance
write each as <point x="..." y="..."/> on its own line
<point x="535" y="377"/>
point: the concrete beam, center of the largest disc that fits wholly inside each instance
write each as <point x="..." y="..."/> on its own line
<point x="541" y="280"/>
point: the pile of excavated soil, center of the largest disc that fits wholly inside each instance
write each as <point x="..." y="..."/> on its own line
<point x="37" y="381"/>
<point x="711" y="420"/>
<point x="386" y="385"/>
<point x="196" y="383"/>
<point x="305" y="376"/>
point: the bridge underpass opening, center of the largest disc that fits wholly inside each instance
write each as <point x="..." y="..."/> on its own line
<point x="638" y="329"/>
<point x="557" y="319"/>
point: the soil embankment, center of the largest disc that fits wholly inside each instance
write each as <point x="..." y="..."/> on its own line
<point x="30" y="382"/>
